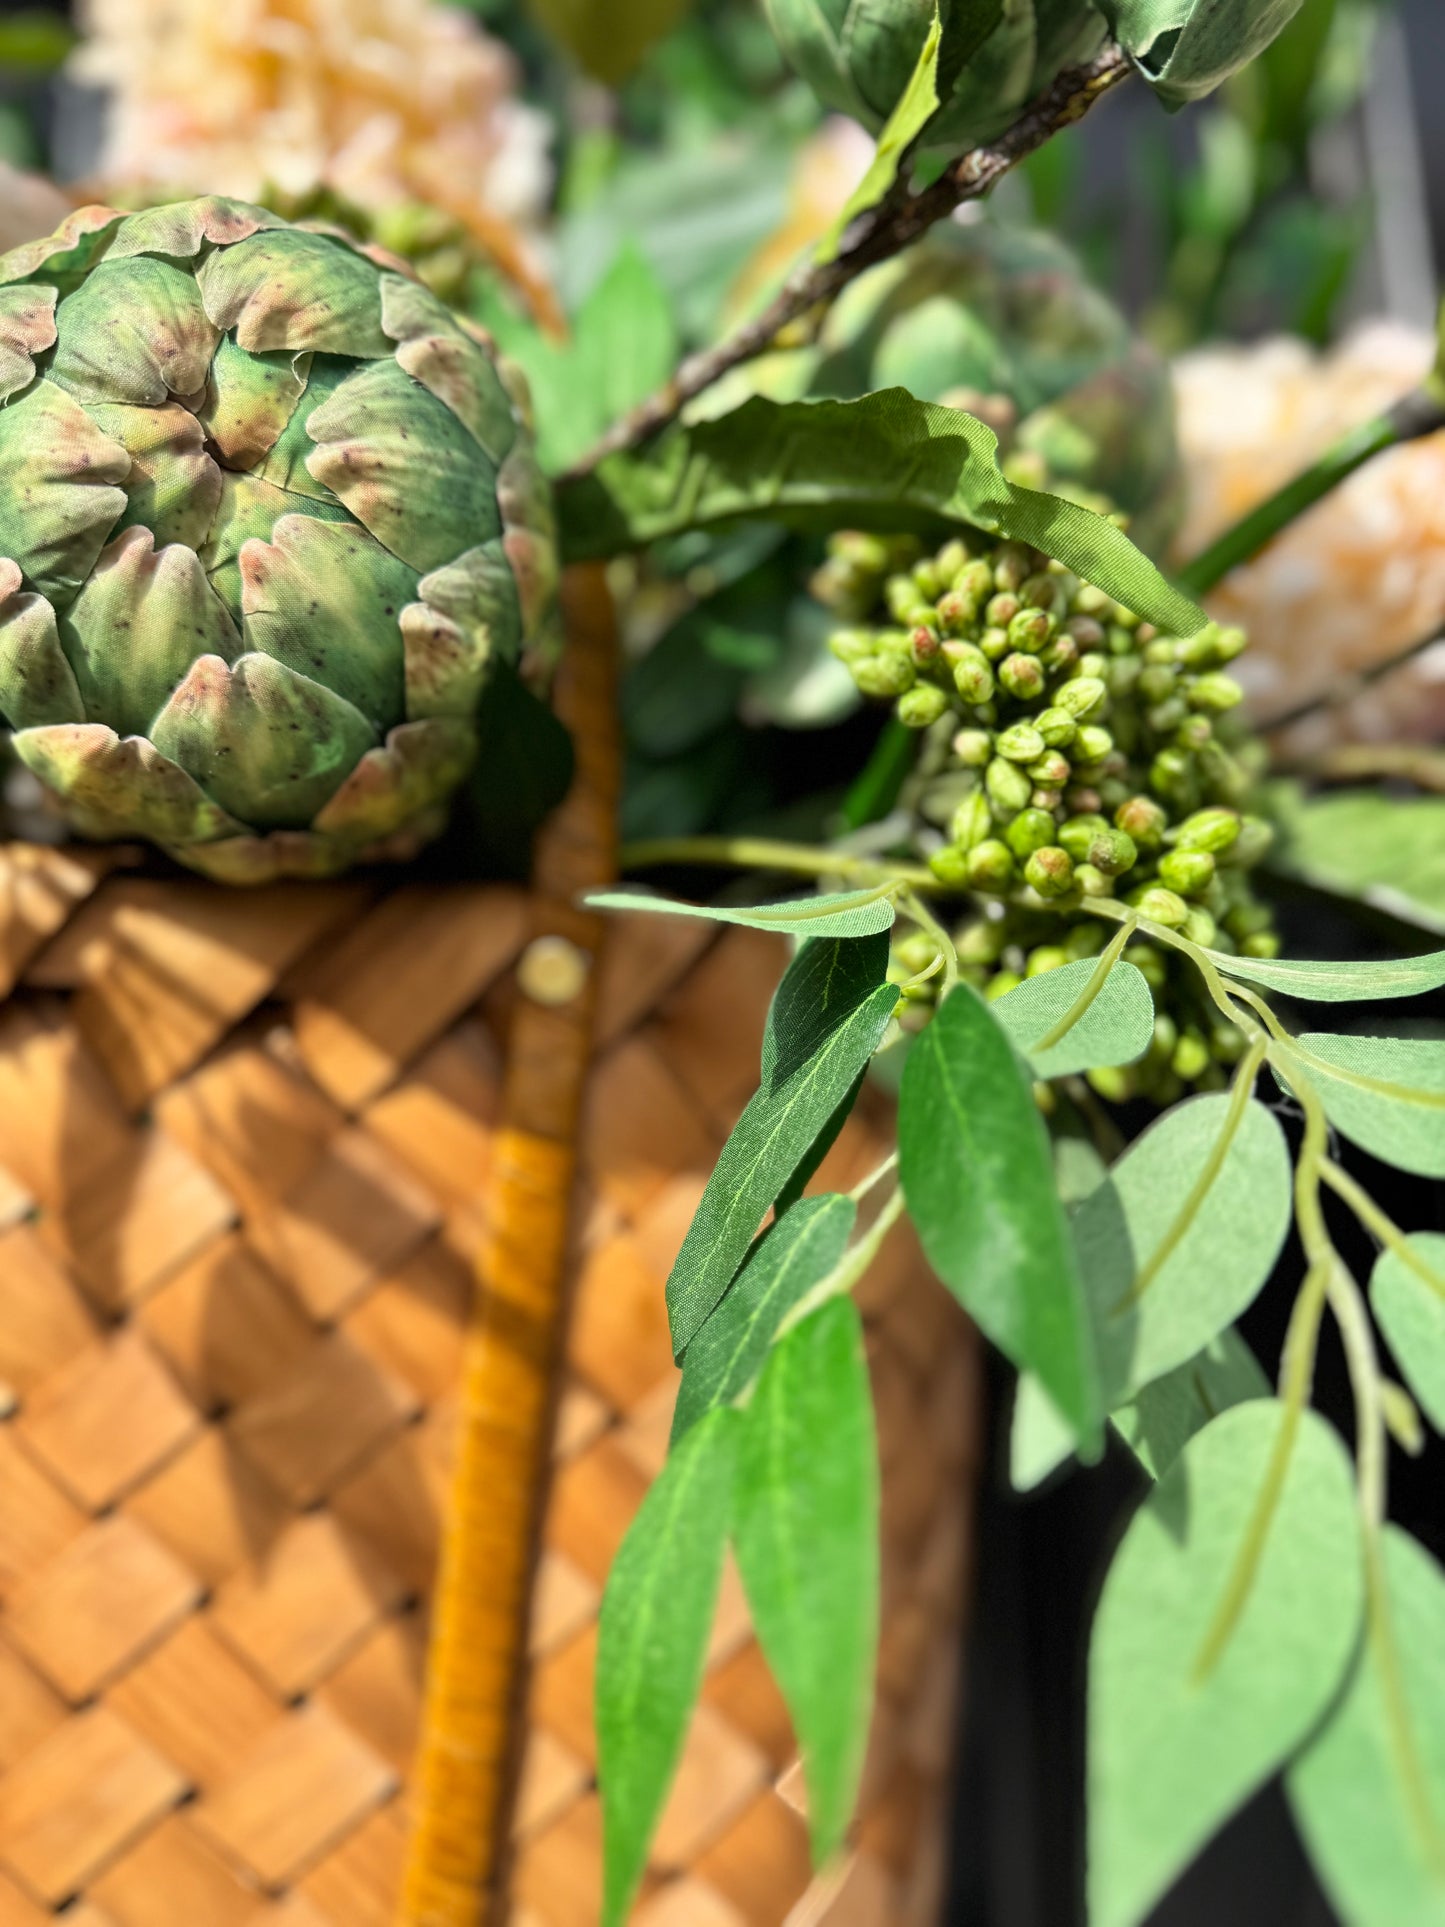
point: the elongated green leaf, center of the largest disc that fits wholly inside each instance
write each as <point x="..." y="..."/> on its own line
<point x="773" y="1136"/>
<point x="1039" y="1441"/>
<point x="977" y="1175"/>
<point x="1339" y="983"/>
<point x="885" y="461"/>
<point x="1187" y="48"/>
<point x="916" y="107"/>
<point x="1385" y="1093"/>
<point x="657" y="1614"/>
<point x="806" y="1537"/>
<point x="1117" y="1027"/>
<point x="1078" y="1168"/>
<point x="728" y="1353"/>
<point x="1409" y="1300"/>
<point x="847" y="913"/>
<point x="1179" y="1240"/>
<point x="1369" y="1791"/>
<point x="1385" y="851"/>
<point x="824" y="984"/>
<point x="1177" y="1743"/>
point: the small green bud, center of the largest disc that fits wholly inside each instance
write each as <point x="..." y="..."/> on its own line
<point x="1021" y="743"/>
<point x="973" y="747"/>
<point x="1160" y="906"/>
<point x="1001" y="610"/>
<point x="1056" y="726"/>
<point x="1115" y="1083"/>
<point x="921" y="706"/>
<point x="923" y="645"/>
<point x="981" y="942"/>
<point x="1090" y="600"/>
<point x="1151" y="965"/>
<point x="1000" y="984"/>
<point x="990" y="865"/>
<point x="914" y="953"/>
<point x="1166" y="1036"/>
<point x="1050" y="871"/>
<point x="1255" y="839"/>
<point x="1085" y="630"/>
<point x="884" y="675"/>
<point x="852" y="645"/>
<point x="957" y="613"/>
<point x="972" y="821"/>
<point x="950" y="866"/>
<point x="1144" y="820"/>
<point x="1092" y="882"/>
<point x="1093" y="663"/>
<point x="1083" y="696"/>
<point x="975" y="580"/>
<point x="1215" y="693"/>
<point x="1163" y="718"/>
<point x="1194" y="732"/>
<point x="1189" y="872"/>
<point x="1078" y="834"/>
<point x="1046" y="799"/>
<point x="1008" y="787"/>
<point x="1030" y="830"/>
<point x="1201" y="928"/>
<point x="1092" y="744"/>
<point x="1264" y="945"/>
<point x="1211" y="647"/>
<point x="1191" y="1056"/>
<point x="1061" y="654"/>
<point x="1012" y="565"/>
<point x="1086" y="939"/>
<point x="904" y="602"/>
<point x="1031" y="630"/>
<point x="1042" y="590"/>
<point x="1113" y="852"/>
<point x="972" y="672"/>
<point x="928" y="578"/>
<point x="1022" y="676"/>
<point x="1213" y="830"/>
<point x="1051" y="771"/>
<point x="1123" y="677"/>
<point x="1157" y="682"/>
<point x="951" y="558"/>
<point x="1047" y="957"/>
<point x="994" y="644"/>
<point x="1171" y="774"/>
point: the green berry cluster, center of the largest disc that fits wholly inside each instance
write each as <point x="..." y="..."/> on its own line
<point x="1068" y="751"/>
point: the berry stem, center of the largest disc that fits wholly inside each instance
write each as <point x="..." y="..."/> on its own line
<point x="762" y="853"/>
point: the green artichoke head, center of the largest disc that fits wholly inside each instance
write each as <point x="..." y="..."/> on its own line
<point x="269" y="513"/>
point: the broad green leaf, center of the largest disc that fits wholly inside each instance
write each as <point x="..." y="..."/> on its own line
<point x="1385" y="851"/>
<point x="657" y="1614"/>
<point x="885" y="461"/>
<point x="1180" y="1238"/>
<point x="806" y="1536"/>
<point x="916" y="107"/>
<point x="1078" y="1168"/>
<point x="1117" y="1027"/>
<point x="1369" y="1791"/>
<point x="1339" y="983"/>
<point x="828" y="978"/>
<point x="977" y="1175"/>
<point x="1039" y="1441"/>
<point x="1187" y="48"/>
<point x="822" y="1144"/>
<point x="1408" y="1296"/>
<point x="1387" y="1094"/>
<point x="1180" y="1738"/>
<point x="847" y="913"/>
<point x="607" y="41"/>
<point x="728" y="1353"/>
<point x="772" y="1137"/>
<point x="1159" y="1422"/>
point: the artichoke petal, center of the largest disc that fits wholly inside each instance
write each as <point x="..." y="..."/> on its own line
<point x="326" y="598"/>
<point x="418" y="765"/>
<point x="529" y="537"/>
<point x="366" y="438"/>
<point x="174" y="487"/>
<point x="287" y="289"/>
<point x="81" y="238"/>
<point x="37" y="684"/>
<point x="181" y="229"/>
<point x="133" y="331"/>
<point x="448" y="363"/>
<point x="249" y="860"/>
<point x="250" y="506"/>
<point x="116" y="786"/>
<point x="60" y="501"/>
<point x="285" y="463"/>
<point x="249" y="400"/>
<point x="467" y="612"/>
<point x="27" y="329"/>
<point x="263" y="741"/>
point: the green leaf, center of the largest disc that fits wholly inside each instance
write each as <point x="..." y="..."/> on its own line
<point x="1117" y="1027"/>
<point x="1408" y="1295"/>
<point x="885" y="461"/>
<point x="1180" y="1238"/>
<point x="608" y="41"/>
<point x="826" y="981"/>
<point x="1369" y="1792"/>
<point x="35" y="42"/>
<point x="977" y="1175"/>
<point x="806" y="1537"/>
<point x="657" y="1613"/>
<point x="771" y="1139"/>
<point x="1339" y="983"/>
<point x="523" y="770"/>
<point x="1039" y="1441"/>
<point x="847" y="913"/>
<point x="1384" y="851"/>
<point x="1387" y="1094"/>
<point x="728" y="1353"/>
<point x="1176" y="1746"/>
<point x="916" y="107"/>
<point x="1187" y="48"/>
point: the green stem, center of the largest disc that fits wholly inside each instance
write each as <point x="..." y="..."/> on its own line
<point x="849" y="1268"/>
<point x="875" y="789"/>
<point x="912" y="906"/>
<point x="1381" y="1224"/>
<point x="1098" y="977"/>
<point x="1419" y="413"/>
<point x="761" y="853"/>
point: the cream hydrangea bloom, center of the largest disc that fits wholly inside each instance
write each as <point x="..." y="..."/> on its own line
<point x="1362" y="575"/>
<point x="384" y="101"/>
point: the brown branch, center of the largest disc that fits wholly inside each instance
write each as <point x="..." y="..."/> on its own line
<point x="876" y="235"/>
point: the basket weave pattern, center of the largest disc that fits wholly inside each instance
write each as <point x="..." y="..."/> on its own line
<point x="243" y="1142"/>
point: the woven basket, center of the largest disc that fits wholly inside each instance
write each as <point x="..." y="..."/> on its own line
<point x="247" y="1142"/>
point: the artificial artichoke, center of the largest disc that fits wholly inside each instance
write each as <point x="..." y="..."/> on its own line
<point x="268" y="515"/>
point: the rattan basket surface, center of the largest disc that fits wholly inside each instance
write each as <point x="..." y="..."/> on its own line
<point x="245" y="1145"/>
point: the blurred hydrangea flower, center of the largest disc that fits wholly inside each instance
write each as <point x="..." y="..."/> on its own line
<point x="1360" y="577"/>
<point x="385" y="102"/>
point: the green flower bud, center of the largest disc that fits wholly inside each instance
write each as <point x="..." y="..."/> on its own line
<point x="921" y="706"/>
<point x="1078" y="834"/>
<point x="1211" y="647"/>
<point x="1031" y="630"/>
<point x="1061" y="654"/>
<point x="1194" y="732"/>
<point x="914" y="953"/>
<point x="975" y="579"/>
<point x="982" y="942"/>
<point x="1113" y="852"/>
<point x="973" y="747"/>
<point x="1008" y="788"/>
<point x="1201" y="928"/>
<point x="957" y="613"/>
<point x="994" y="644"/>
<point x="1090" y="600"/>
<point x="1000" y="984"/>
<point x="1215" y="693"/>
<point x="1164" y="718"/>
<point x="950" y="866"/>
<point x="1050" y="871"/>
<point x="1083" y="696"/>
<point x="1115" y="1083"/>
<point x="1056" y="726"/>
<point x="923" y="645"/>
<point x="1042" y="590"/>
<point x="884" y="675"/>
<point x="1022" y="677"/>
<point x="1001" y="610"/>
<point x="852" y="645"/>
<point x="1157" y="682"/>
<point x="1144" y="820"/>
<point x="972" y="673"/>
<point x="1265" y="946"/>
<point x="972" y="821"/>
<point x="1166" y="1036"/>
<point x="1123" y="677"/>
<point x="1087" y="937"/>
<point x="1012" y="565"/>
<point x="1213" y="830"/>
<point x="1171" y="774"/>
<point x="1051" y="771"/>
<point x="1160" y="906"/>
<point x="1189" y="872"/>
<point x="1255" y="839"/>
<point x="1047" y="957"/>
<point x="1151" y="965"/>
<point x="1021" y="743"/>
<point x="905" y="603"/>
<point x="1030" y="830"/>
<point x="951" y="558"/>
<point x="928" y="578"/>
<point x="990" y="866"/>
<point x="1092" y="663"/>
<point x="1191" y="1056"/>
<point x="1092" y="744"/>
<point x="1091" y="881"/>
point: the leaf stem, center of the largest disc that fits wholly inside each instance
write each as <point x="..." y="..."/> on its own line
<point x="913" y="906"/>
<point x="1380" y="1223"/>
<point x="1098" y="977"/>
<point x="849" y="1268"/>
<point x="762" y="853"/>
<point x="876" y="1177"/>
